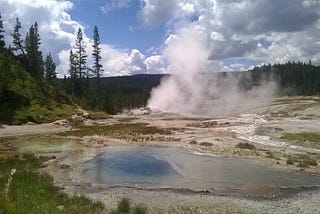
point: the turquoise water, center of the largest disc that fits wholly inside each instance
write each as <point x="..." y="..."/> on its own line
<point x="179" y="168"/>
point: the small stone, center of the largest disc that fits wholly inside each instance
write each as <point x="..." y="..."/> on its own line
<point x="64" y="166"/>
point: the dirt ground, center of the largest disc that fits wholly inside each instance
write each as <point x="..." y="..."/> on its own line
<point x="260" y="130"/>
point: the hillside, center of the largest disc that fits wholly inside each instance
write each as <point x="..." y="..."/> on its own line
<point x="23" y="98"/>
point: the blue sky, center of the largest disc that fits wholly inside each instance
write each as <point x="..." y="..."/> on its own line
<point x="119" y="27"/>
<point x="151" y="36"/>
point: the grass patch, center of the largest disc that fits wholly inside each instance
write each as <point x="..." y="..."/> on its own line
<point x="207" y="124"/>
<point x="245" y="146"/>
<point x="130" y="132"/>
<point x="290" y="161"/>
<point x="127" y="119"/>
<point x="269" y="154"/>
<point x="302" y="137"/>
<point x="125" y="207"/>
<point x="38" y="113"/>
<point x="96" y="115"/>
<point x="302" y="160"/>
<point x="24" y="190"/>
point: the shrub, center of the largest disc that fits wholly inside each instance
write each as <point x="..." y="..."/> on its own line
<point x="206" y="144"/>
<point x="245" y="146"/>
<point x="193" y="142"/>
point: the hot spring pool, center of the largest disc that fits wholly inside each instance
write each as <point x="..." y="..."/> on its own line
<point x="46" y="145"/>
<point x="160" y="167"/>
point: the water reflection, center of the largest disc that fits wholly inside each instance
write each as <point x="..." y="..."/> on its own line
<point x="178" y="168"/>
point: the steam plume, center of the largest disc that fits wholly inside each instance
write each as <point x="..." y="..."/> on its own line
<point x="188" y="90"/>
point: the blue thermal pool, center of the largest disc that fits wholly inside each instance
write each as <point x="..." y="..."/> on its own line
<point x="160" y="167"/>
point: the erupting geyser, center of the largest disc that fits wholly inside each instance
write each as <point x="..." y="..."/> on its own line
<point x="192" y="89"/>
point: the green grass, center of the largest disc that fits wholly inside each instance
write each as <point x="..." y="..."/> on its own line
<point x="302" y="160"/>
<point x="30" y="191"/>
<point x="127" y="119"/>
<point x="302" y="137"/>
<point x="95" y="115"/>
<point x="39" y="113"/>
<point x="125" y="207"/>
<point x="117" y="130"/>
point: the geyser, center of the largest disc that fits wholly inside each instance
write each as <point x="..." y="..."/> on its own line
<point x="193" y="89"/>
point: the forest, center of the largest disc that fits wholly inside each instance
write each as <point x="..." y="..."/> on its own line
<point x="30" y="90"/>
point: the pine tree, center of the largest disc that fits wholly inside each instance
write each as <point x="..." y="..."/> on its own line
<point x="97" y="67"/>
<point x="96" y="53"/>
<point x="34" y="55"/>
<point x="2" y="43"/>
<point x="50" y="68"/>
<point x="72" y="71"/>
<point x="72" y="65"/>
<point x="80" y="55"/>
<point x="17" y="41"/>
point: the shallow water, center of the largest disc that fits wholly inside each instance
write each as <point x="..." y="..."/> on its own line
<point x="160" y="167"/>
<point x="46" y="145"/>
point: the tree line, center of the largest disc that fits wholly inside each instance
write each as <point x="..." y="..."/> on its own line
<point x="26" y="76"/>
<point x="293" y="78"/>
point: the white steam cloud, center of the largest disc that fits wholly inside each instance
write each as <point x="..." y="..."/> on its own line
<point x="192" y="88"/>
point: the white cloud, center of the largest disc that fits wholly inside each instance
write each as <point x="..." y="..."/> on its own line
<point x="155" y="64"/>
<point x="156" y="12"/>
<point x="121" y="62"/>
<point x="58" y="31"/>
<point x="217" y="37"/>
<point x="56" y="27"/>
<point x="114" y="4"/>
<point x="259" y="31"/>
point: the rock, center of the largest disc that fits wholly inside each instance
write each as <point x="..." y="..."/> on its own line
<point x="79" y="114"/>
<point x="30" y="123"/>
<point x="64" y="166"/>
<point x="77" y="118"/>
<point x="207" y="191"/>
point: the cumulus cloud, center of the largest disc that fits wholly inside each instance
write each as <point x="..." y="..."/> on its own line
<point x="259" y="31"/>
<point x="56" y="27"/>
<point x="253" y="31"/>
<point x="58" y="31"/>
<point x="122" y="62"/>
<point x="156" y="12"/>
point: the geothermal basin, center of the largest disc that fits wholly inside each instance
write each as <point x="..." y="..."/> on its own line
<point x="169" y="167"/>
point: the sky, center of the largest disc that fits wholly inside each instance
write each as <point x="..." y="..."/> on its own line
<point x="135" y="34"/>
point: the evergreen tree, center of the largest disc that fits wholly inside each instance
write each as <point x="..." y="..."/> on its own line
<point x="2" y="43"/>
<point x="17" y="41"/>
<point x="72" y="72"/>
<point x="96" y="53"/>
<point x="34" y="55"/>
<point x="50" y="68"/>
<point x="97" y="67"/>
<point x="80" y="55"/>
<point x="80" y="60"/>
<point x="72" y="65"/>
